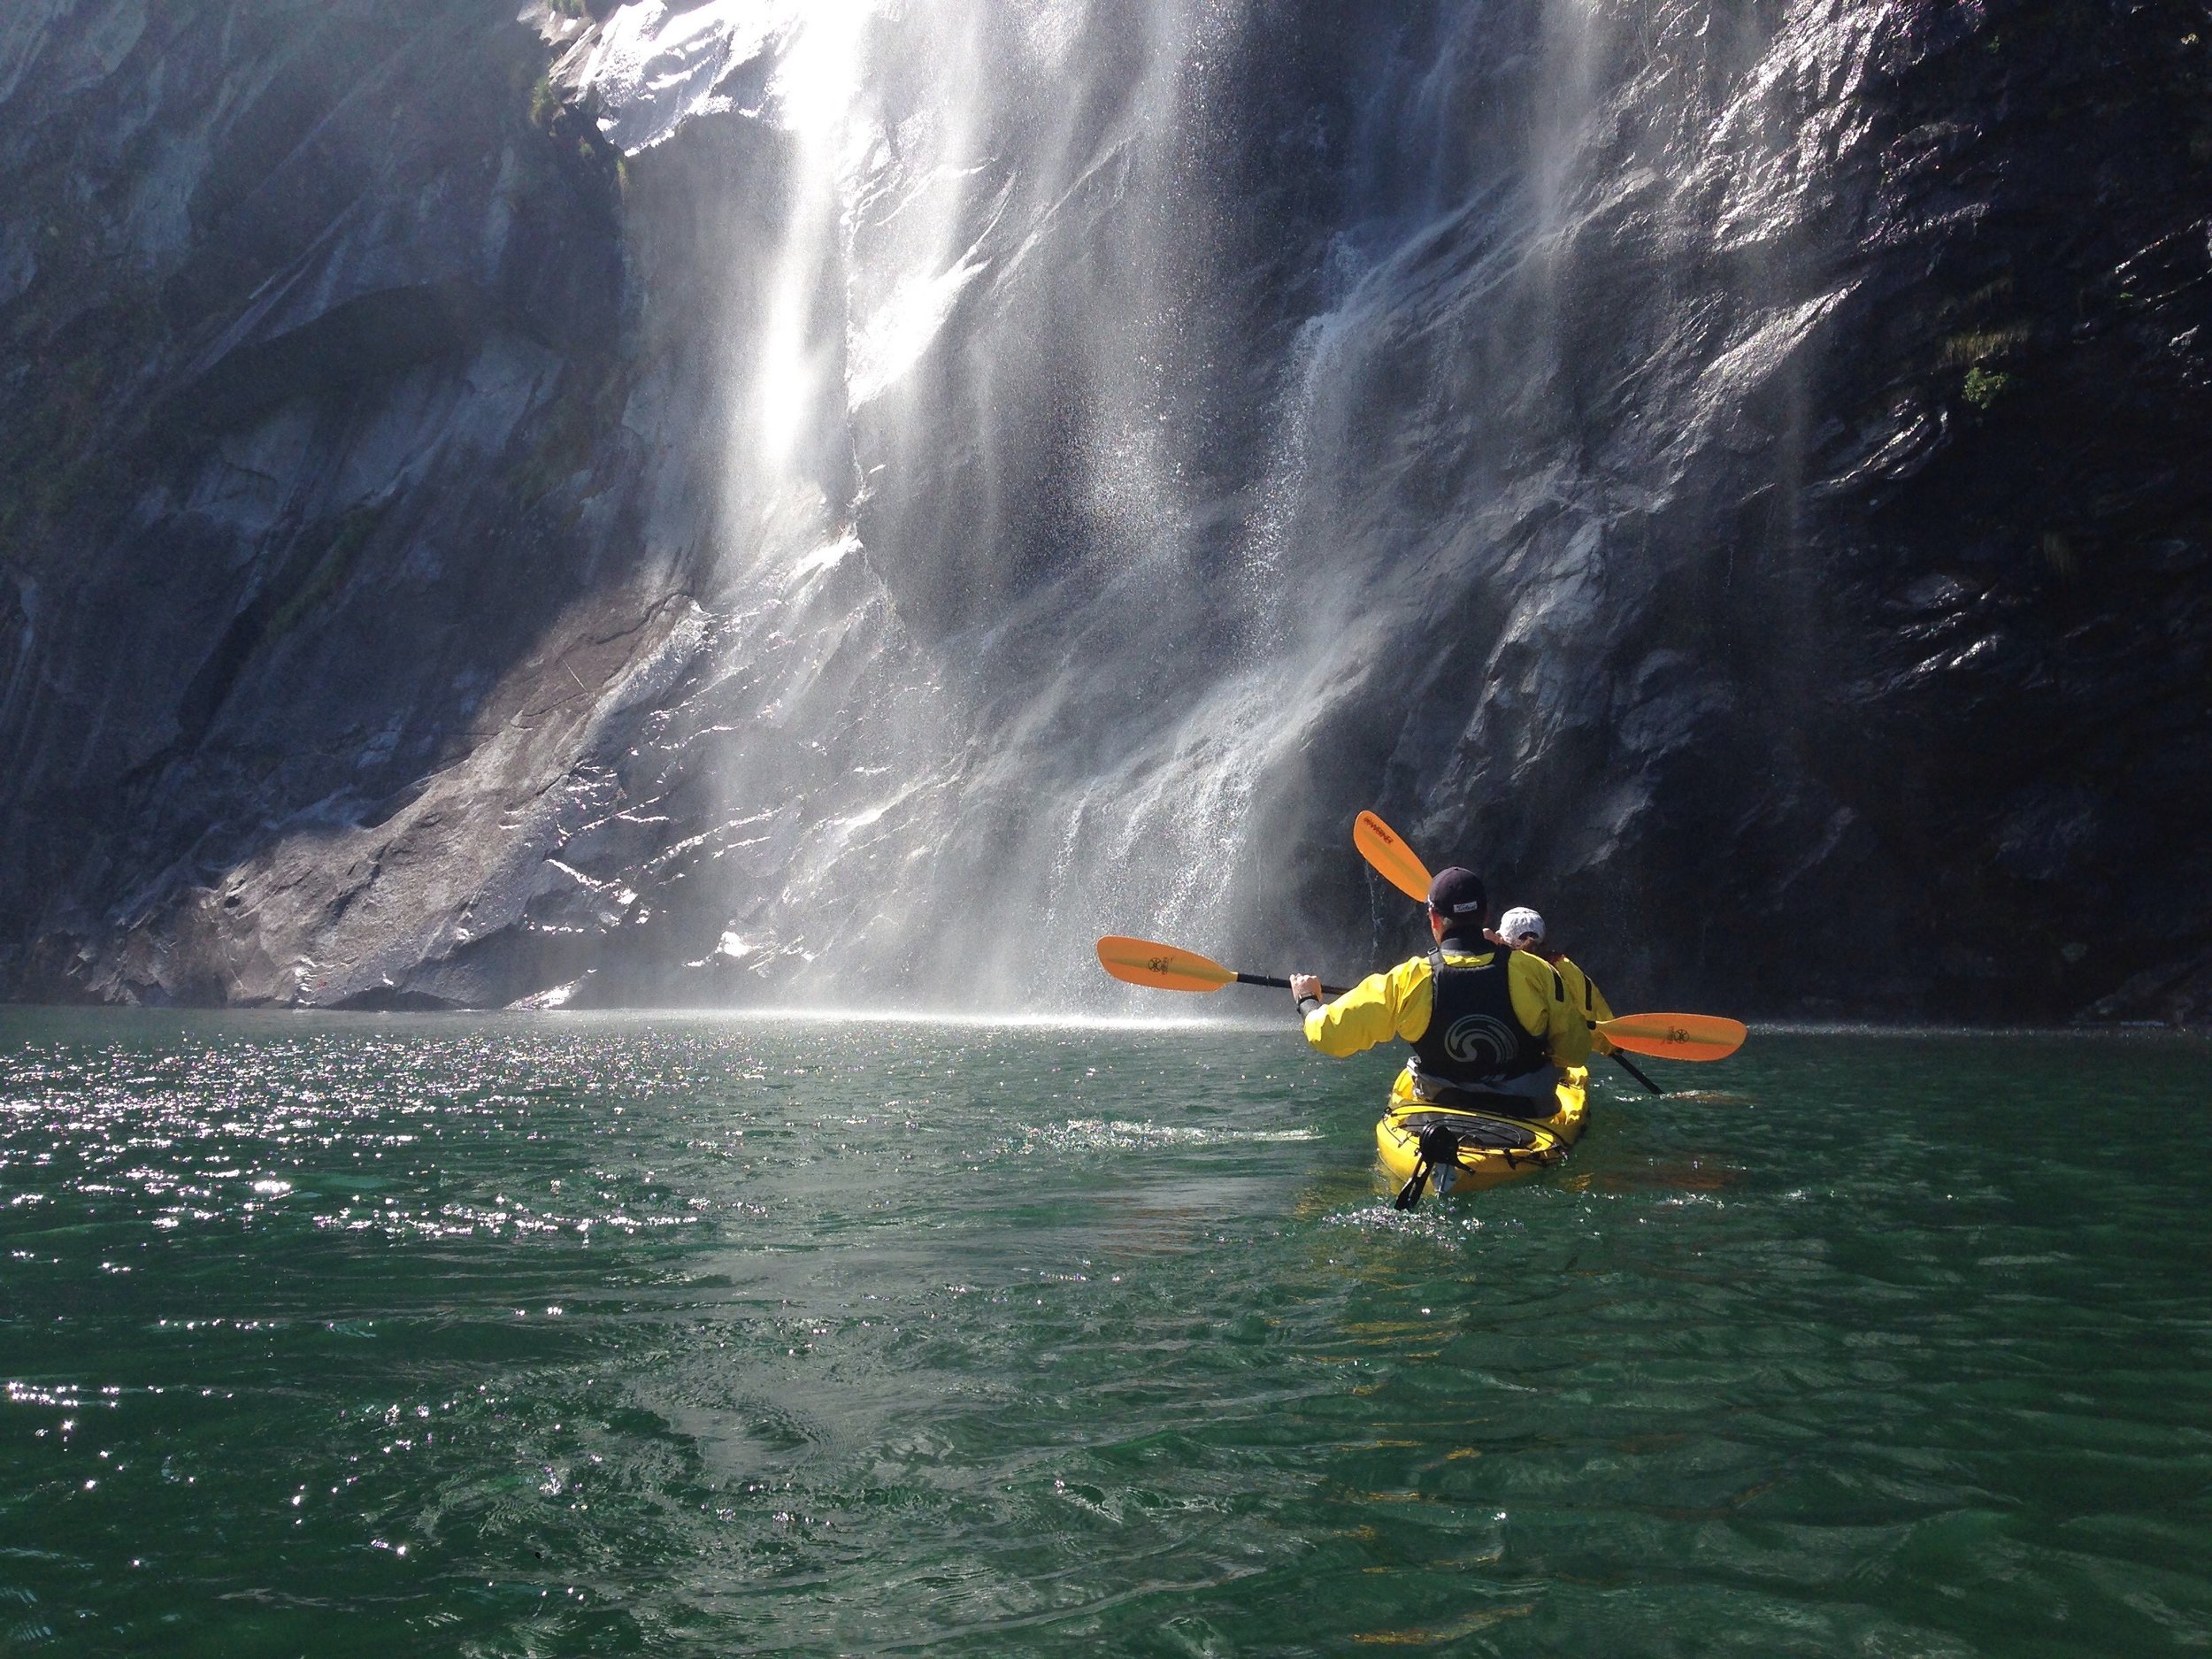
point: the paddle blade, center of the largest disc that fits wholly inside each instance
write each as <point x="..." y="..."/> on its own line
<point x="1393" y="859"/>
<point x="1675" y="1036"/>
<point x="1162" y="967"/>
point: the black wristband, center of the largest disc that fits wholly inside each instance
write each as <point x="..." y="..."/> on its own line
<point x="1307" y="1004"/>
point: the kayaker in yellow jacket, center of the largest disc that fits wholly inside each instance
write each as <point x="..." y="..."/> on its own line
<point x="1489" y="1026"/>
<point x="1523" y="929"/>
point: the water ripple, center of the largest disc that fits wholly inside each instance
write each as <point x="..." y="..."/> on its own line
<point x="570" y="1336"/>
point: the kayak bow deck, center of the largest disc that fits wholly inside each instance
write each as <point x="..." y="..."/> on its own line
<point x="1492" y="1148"/>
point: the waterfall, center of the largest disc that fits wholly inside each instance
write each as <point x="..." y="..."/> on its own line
<point x="994" y="629"/>
<point x="1064" y="581"/>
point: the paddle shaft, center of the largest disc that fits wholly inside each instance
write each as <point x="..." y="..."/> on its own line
<point x="1631" y="1067"/>
<point x="1273" y="983"/>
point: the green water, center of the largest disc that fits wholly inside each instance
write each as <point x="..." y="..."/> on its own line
<point x="556" y="1335"/>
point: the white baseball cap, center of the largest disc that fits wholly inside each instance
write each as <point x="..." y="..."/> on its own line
<point x="1517" y="924"/>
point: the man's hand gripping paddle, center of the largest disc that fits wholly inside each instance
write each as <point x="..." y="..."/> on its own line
<point x="1669" y="1036"/>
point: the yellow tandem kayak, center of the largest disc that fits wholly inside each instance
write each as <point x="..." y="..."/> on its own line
<point x="1492" y="1148"/>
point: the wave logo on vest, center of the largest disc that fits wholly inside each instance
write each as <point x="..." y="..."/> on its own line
<point x="1479" y="1039"/>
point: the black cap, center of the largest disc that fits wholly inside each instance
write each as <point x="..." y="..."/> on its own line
<point x="1458" y="895"/>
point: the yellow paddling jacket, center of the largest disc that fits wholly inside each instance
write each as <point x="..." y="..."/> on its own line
<point x="1587" y="1000"/>
<point x="1397" y="1003"/>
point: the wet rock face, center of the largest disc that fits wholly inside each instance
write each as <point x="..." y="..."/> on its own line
<point x="675" y="505"/>
<point x="309" y="315"/>
<point x="2021" y="559"/>
<point x="1871" y="721"/>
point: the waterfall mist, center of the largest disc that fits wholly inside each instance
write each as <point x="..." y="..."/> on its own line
<point x="1065" y="579"/>
<point x="997" y="600"/>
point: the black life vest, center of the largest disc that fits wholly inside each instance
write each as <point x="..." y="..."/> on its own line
<point x="1474" y="1039"/>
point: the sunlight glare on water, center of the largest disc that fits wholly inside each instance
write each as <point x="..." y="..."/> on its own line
<point x="574" y="1334"/>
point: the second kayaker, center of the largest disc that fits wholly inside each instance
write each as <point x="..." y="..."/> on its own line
<point x="1523" y="929"/>
<point x="1490" y="1026"/>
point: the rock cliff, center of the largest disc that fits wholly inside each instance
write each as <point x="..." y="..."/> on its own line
<point x="741" y="501"/>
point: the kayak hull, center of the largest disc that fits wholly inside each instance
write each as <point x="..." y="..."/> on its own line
<point x="1493" y="1147"/>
